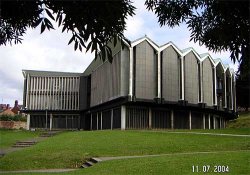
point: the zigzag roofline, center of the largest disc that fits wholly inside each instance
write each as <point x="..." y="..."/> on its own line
<point x="184" y="52"/>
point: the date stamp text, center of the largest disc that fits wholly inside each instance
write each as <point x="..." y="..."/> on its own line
<point x="210" y="168"/>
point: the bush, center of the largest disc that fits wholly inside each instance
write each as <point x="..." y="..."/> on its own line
<point x="13" y="118"/>
<point x="242" y="122"/>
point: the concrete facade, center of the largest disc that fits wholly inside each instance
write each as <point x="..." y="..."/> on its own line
<point x="145" y="87"/>
<point x="207" y="78"/>
<point x="170" y="75"/>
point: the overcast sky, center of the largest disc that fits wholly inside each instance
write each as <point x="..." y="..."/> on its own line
<point x="49" y="51"/>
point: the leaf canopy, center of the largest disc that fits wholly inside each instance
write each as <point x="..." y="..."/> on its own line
<point x="217" y="24"/>
<point x="92" y="22"/>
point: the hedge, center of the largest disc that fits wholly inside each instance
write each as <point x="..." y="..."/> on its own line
<point x="13" y="118"/>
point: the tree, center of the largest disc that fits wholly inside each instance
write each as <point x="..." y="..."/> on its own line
<point x="217" y="24"/>
<point x="242" y="91"/>
<point x="243" y="83"/>
<point x="92" y="23"/>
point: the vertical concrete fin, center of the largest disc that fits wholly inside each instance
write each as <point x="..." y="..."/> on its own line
<point x="123" y="117"/>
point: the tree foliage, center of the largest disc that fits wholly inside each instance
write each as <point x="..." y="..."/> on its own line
<point x="13" y="118"/>
<point x="243" y="83"/>
<point x="242" y="91"/>
<point x="92" y="23"/>
<point x="219" y="25"/>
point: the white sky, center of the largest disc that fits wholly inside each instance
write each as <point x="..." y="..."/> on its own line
<point x="49" y="51"/>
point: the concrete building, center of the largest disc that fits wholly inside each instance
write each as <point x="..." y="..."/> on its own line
<point x="146" y="86"/>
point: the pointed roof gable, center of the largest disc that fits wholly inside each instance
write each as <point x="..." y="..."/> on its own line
<point x="188" y="50"/>
<point x="145" y="38"/>
<point x="204" y="56"/>
<point x="218" y="61"/>
<point x="170" y="43"/>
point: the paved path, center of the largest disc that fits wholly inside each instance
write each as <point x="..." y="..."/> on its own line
<point x="215" y="134"/>
<point x="198" y="133"/>
<point x="169" y="154"/>
<point x="39" y="171"/>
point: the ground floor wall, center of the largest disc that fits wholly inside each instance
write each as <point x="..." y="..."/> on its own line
<point x="129" y="117"/>
<point x="140" y="117"/>
<point x="107" y="119"/>
<point x="54" y="121"/>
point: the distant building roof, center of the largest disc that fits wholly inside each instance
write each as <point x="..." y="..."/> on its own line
<point x="4" y="106"/>
<point x="7" y="112"/>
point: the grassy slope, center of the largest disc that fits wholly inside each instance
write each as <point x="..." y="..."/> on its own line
<point x="69" y="149"/>
<point x="9" y="137"/>
<point x="173" y="164"/>
<point x="242" y="122"/>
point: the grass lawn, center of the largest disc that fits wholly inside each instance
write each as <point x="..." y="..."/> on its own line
<point x="171" y="164"/>
<point x="177" y="164"/>
<point x="237" y="163"/>
<point x="9" y="137"/>
<point x="69" y="149"/>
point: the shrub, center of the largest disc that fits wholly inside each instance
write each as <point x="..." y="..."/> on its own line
<point x="13" y="118"/>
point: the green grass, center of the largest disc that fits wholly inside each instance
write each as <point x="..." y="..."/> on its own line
<point x="175" y="164"/>
<point x="9" y="137"/>
<point x="70" y="149"/>
<point x="238" y="131"/>
<point x="243" y="121"/>
<point x="237" y="162"/>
